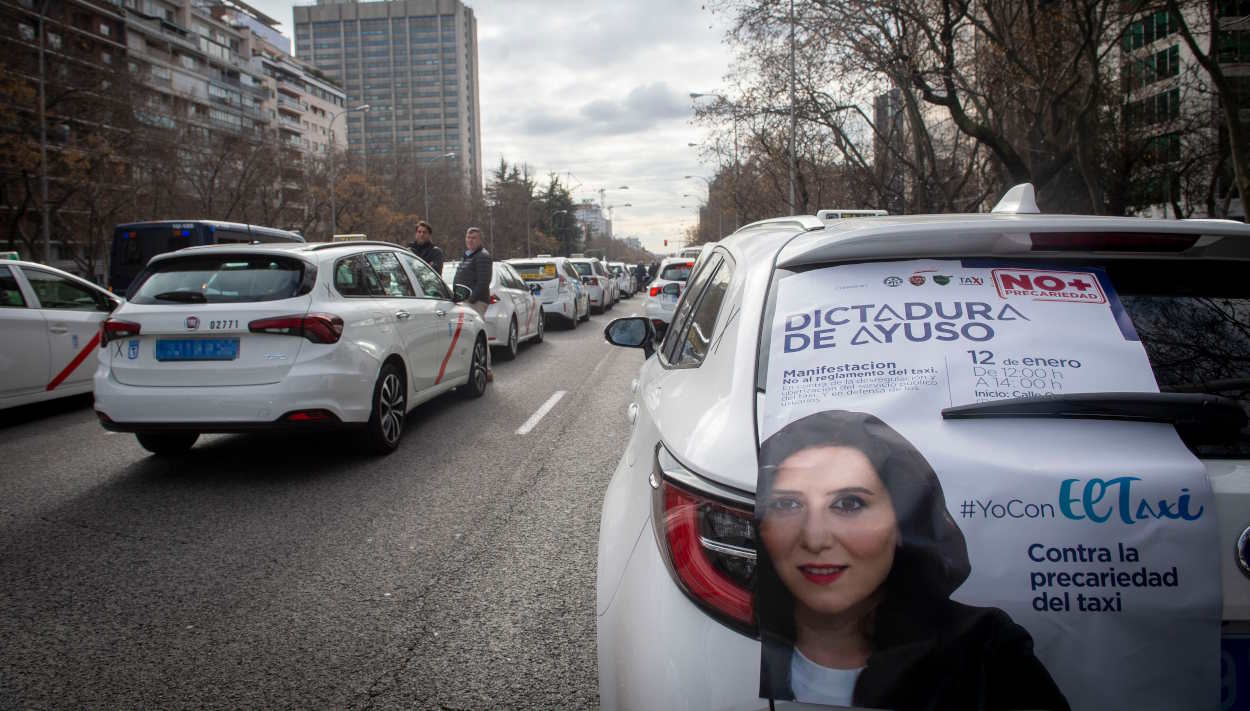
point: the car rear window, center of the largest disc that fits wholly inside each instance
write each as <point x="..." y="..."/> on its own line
<point x="583" y="268"/>
<point x="676" y="272"/>
<point x="1193" y="319"/>
<point x="221" y="278"/>
<point x="535" y="271"/>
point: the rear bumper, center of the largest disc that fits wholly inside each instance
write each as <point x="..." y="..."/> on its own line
<point x="565" y="306"/>
<point x="346" y="394"/>
<point x="279" y="425"/>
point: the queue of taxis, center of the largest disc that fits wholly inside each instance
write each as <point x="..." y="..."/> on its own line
<point x="50" y="321"/>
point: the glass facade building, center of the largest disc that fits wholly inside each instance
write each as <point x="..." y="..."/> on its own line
<point x="415" y="63"/>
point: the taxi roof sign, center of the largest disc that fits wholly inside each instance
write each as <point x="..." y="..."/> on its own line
<point x="349" y="238"/>
<point x="11" y="256"/>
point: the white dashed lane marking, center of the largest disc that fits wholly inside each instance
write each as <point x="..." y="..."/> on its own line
<point x="540" y="413"/>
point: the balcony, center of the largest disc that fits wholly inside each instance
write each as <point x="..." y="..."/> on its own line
<point x="289" y="104"/>
<point x="290" y="84"/>
<point x="289" y="124"/>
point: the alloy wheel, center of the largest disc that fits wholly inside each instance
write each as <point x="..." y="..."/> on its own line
<point x="391" y="410"/>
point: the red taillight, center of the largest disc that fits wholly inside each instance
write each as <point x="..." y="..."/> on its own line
<point x="690" y="265"/>
<point x="655" y="291"/>
<point x="311" y="416"/>
<point x="112" y="329"/>
<point x="318" y="328"/>
<point x="494" y="299"/>
<point x="709" y="546"/>
<point x="1110" y="242"/>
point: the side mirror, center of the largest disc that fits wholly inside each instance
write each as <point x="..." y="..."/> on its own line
<point x="631" y="332"/>
<point x="460" y="293"/>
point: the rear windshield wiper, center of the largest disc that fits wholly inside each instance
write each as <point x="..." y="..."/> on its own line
<point x="1198" y="415"/>
<point x="189" y="297"/>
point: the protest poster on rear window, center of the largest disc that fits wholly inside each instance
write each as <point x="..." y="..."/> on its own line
<point x="907" y="560"/>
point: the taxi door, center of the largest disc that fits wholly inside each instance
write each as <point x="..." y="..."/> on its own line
<point x="73" y="312"/>
<point x="433" y="316"/>
<point x="523" y="302"/>
<point x="24" y="347"/>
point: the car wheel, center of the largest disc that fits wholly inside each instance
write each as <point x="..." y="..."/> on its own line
<point x="509" y="350"/>
<point x="587" y="316"/>
<point x="542" y="324"/>
<point x="575" y="320"/>
<point x="390" y="407"/>
<point x="167" y="444"/>
<point x="476" y="386"/>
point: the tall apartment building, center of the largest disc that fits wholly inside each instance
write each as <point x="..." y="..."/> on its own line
<point x="590" y="215"/>
<point x="221" y="65"/>
<point x="415" y="63"/>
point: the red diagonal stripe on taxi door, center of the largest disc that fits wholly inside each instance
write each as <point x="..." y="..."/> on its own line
<point x="78" y="359"/>
<point x="452" y="347"/>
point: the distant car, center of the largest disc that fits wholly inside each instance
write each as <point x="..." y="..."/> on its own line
<point x="515" y="313"/>
<point x="237" y="338"/>
<point x="664" y="290"/>
<point x="677" y="546"/>
<point x="624" y="278"/>
<point x="600" y="283"/>
<point x="560" y="287"/>
<point x="49" y="326"/>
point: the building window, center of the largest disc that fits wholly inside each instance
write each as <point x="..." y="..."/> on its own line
<point x="26" y="31"/>
<point x="1233" y="46"/>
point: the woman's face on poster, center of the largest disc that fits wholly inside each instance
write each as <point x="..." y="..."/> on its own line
<point x="829" y="527"/>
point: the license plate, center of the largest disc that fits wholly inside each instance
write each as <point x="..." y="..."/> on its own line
<point x="197" y="349"/>
<point x="1235" y="671"/>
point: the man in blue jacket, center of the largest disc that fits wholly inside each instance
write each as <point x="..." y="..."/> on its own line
<point x="475" y="272"/>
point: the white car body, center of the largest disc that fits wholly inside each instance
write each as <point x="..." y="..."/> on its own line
<point x="281" y="370"/>
<point x="560" y="289"/>
<point x="657" y="647"/>
<point x="515" y="314"/>
<point x="624" y="278"/>
<point x="600" y="284"/>
<point x="50" y="320"/>
<point x="664" y="291"/>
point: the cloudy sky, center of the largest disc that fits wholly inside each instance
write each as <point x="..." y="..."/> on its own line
<point x="598" y="92"/>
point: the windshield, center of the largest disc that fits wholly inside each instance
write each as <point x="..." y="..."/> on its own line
<point x="676" y="272"/>
<point x="535" y="271"/>
<point x="224" y="278"/>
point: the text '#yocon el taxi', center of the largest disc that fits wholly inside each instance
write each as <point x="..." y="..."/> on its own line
<point x="915" y="321"/>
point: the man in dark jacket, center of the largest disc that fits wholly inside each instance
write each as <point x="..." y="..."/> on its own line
<point x="425" y="248"/>
<point x="640" y="275"/>
<point x="475" y="272"/>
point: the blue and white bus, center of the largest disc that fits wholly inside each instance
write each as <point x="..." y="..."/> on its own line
<point x="137" y="242"/>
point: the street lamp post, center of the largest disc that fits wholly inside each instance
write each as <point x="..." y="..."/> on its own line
<point x="611" y="220"/>
<point x="553" y="223"/>
<point x="425" y="189"/>
<point x="334" y="216"/>
<point x="603" y="202"/>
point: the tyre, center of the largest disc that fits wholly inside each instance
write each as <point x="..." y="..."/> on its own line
<point x="390" y="408"/>
<point x="542" y="324"/>
<point x="167" y="444"/>
<point x="587" y="316"/>
<point x="476" y="386"/>
<point x="575" y="320"/>
<point x="508" y="352"/>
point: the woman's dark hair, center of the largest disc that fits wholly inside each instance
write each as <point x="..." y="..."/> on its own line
<point x="932" y="560"/>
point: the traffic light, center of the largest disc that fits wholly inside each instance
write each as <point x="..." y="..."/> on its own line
<point x="665" y="243"/>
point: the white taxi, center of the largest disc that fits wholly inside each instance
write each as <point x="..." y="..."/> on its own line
<point x="558" y="286"/>
<point x="50" y="322"/>
<point x="664" y="289"/>
<point x="680" y="551"/>
<point x="514" y="315"/>
<point x="236" y="338"/>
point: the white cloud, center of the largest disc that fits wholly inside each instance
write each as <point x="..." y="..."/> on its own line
<point x="597" y="91"/>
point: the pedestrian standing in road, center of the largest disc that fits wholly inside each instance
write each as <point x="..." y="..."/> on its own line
<point x="425" y="248"/>
<point x="475" y="272"/>
<point x="640" y="274"/>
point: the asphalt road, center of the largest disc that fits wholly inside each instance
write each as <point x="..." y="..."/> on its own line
<point x="291" y="571"/>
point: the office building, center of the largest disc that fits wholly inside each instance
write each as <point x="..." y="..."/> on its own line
<point x="414" y="62"/>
